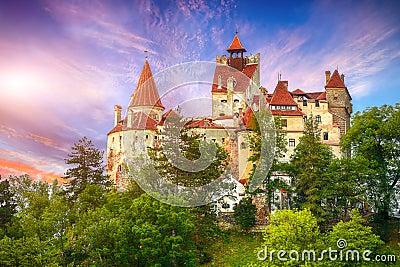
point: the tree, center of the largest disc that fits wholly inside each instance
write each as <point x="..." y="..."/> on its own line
<point x="138" y="232"/>
<point x="7" y="204"/>
<point x="87" y="167"/>
<point x="289" y="230"/>
<point x="245" y="214"/>
<point x="353" y="236"/>
<point x="189" y="144"/>
<point x="270" y="184"/>
<point x="344" y="189"/>
<point x="375" y="138"/>
<point x="308" y="167"/>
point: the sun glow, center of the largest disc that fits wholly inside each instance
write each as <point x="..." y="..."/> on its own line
<point x="18" y="82"/>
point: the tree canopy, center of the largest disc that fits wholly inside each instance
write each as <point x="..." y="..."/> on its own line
<point x="374" y="137"/>
<point x="86" y="167"/>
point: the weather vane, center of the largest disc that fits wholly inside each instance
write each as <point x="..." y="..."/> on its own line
<point x="146" y="52"/>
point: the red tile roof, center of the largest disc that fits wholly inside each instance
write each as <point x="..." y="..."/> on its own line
<point x="249" y="69"/>
<point x="226" y="117"/>
<point x="335" y="81"/>
<point x="242" y="77"/>
<point x="322" y="96"/>
<point x="236" y="45"/>
<point x="117" y="128"/>
<point x="298" y="92"/>
<point x="146" y="93"/>
<point x="315" y="95"/>
<point x="140" y="121"/>
<point x="247" y="119"/>
<point x="169" y="114"/>
<point x="203" y="123"/>
<point x="281" y="95"/>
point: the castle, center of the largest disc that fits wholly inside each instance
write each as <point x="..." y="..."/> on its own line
<point x="235" y="95"/>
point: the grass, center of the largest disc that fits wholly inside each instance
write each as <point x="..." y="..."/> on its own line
<point x="235" y="249"/>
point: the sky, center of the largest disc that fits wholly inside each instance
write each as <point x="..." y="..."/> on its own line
<point x="65" y="64"/>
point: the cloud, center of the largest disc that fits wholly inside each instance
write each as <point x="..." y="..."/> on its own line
<point x="357" y="39"/>
<point x="9" y="167"/>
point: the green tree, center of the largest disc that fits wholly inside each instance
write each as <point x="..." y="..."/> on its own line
<point x="138" y="232"/>
<point x="374" y="137"/>
<point x="345" y="187"/>
<point x="189" y="144"/>
<point x="308" y="169"/>
<point x="86" y="167"/>
<point x="353" y="235"/>
<point x="289" y="230"/>
<point x="28" y="251"/>
<point x="245" y="213"/>
<point x="270" y="183"/>
<point x="7" y="204"/>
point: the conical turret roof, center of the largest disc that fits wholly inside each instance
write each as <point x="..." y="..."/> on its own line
<point x="146" y="93"/>
<point x="236" y="45"/>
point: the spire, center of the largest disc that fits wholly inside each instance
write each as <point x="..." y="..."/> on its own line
<point x="236" y="45"/>
<point x="335" y="81"/>
<point x="146" y="93"/>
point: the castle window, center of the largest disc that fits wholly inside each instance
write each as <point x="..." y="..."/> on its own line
<point x="119" y="168"/>
<point x="292" y="142"/>
<point x="284" y="122"/>
<point x="243" y="145"/>
<point x="318" y="118"/>
<point x="214" y="140"/>
<point x="317" y="103"/>
<point x="223" y="140"/>
<point x="304" y="118"/>
<point x="224" y="101"/>
<point x="304" y="102"/>
<point x="205" y="138"/>
<point x="155" y="137"/>
<point x="325" y="136"/>
<point x="222" y="114"/>
<point x="113" y="139"/>
<point x="147" y="136"/>
<point x="236" y="100"/>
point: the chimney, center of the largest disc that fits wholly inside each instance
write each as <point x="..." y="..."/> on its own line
<point x="342" y="76"/>
<point x="117" y="114"/>
<point x="327" y="76"/>
<point x="129" y="119"/>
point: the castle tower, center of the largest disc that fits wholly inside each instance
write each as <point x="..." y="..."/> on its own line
<point x="146" y="98"/>
<point x="231" y="88"/>
<point x="236" y="50"/>
<point x="138" y="129"/>
<point x="339" y="100"/>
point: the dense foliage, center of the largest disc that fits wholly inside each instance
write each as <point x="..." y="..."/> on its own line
<point x="88" y="223"/>
<point x="374" y="138"/>
<point x="245" y="213"/>
<point x="293" y="239"/>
